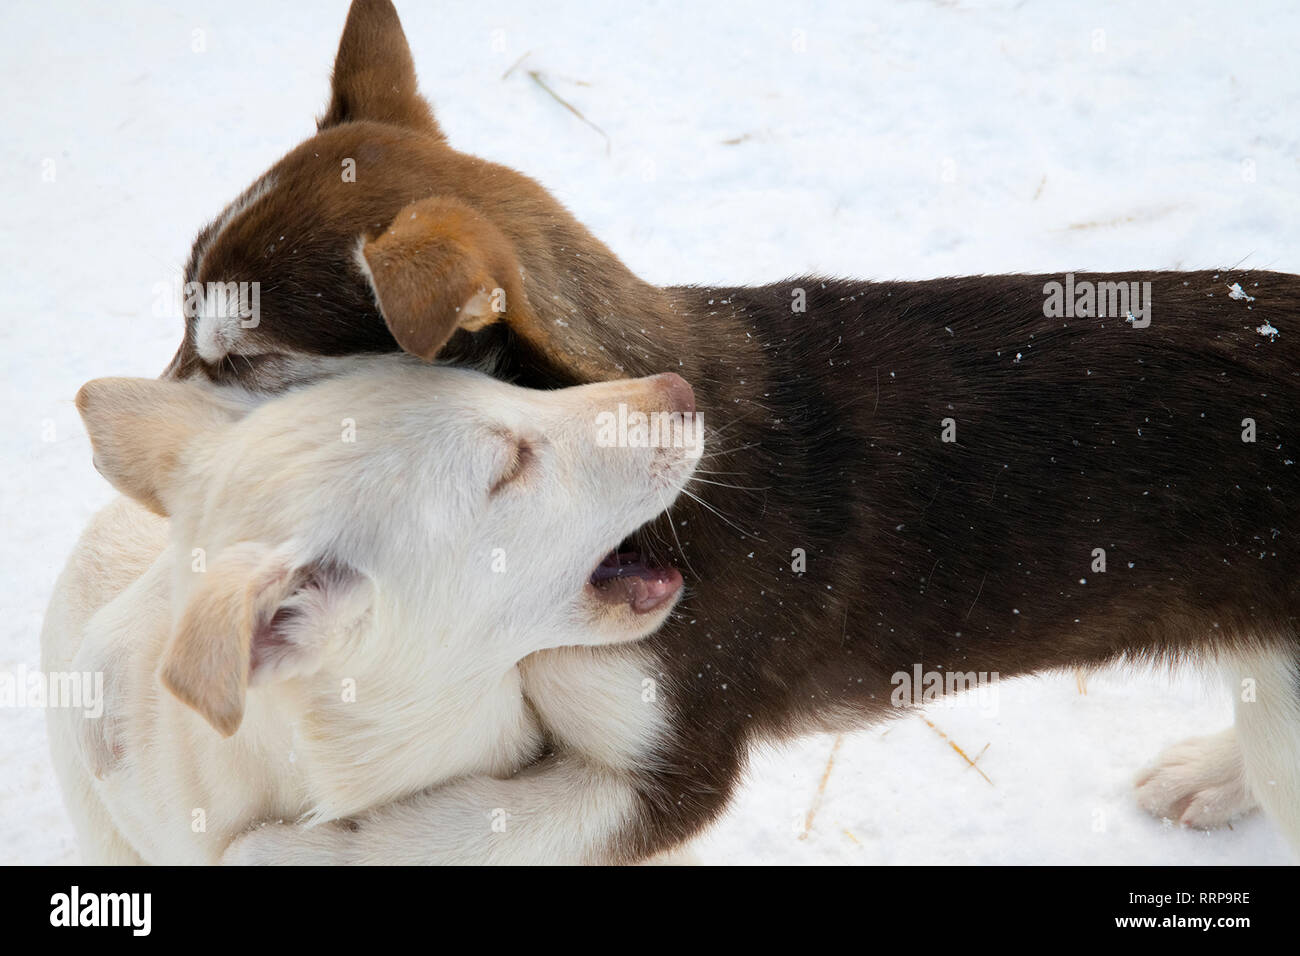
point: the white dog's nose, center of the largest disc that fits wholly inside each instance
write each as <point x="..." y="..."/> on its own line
<point x="678" y="392"/>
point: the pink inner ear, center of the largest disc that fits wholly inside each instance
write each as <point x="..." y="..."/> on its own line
<point x="289" y="643"/>
<point x="271" y="642"/>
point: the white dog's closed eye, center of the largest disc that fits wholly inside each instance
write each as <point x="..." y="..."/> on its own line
<point x="521" y="458"/>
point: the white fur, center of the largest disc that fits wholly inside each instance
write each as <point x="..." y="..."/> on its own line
<point x="1199" y="782"/>
<point x="597" y="706"/>
<point x="425" y="630"/>
<point x="1268" y="729"/>
<point x="1210" y="781"/>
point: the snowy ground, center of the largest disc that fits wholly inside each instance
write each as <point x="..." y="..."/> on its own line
<point x="906" y="140"/>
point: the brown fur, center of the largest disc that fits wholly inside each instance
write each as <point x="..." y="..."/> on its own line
<point x="437" y="268"/>
<point x="1072" y="434"/>
<point x="370" y="88"/>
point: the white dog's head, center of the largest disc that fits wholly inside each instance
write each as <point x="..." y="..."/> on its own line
<point x="394" y="517"/>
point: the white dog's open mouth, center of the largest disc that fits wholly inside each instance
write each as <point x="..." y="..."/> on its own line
<point x="626" y="577"/>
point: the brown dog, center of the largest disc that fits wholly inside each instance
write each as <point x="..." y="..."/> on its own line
<point x="996" y="474"/>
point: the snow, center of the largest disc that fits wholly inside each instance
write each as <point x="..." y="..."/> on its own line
<point x="900" y="141"/>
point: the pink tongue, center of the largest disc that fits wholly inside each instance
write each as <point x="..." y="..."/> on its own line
<point x="651" y="589"/>
<point x="644" y="588"/>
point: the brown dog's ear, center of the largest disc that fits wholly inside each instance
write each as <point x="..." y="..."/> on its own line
<point x="441" y="266"/>
<point x="139" y="428"/>
<point x="374" y="75"/>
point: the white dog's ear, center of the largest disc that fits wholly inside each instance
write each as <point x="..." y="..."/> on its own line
<point x="139" y="429"/>
<point x="438" y="267"/>
<point x="258" y="615"/>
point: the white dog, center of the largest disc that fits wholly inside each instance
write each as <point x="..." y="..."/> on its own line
<point x="334" y="616"/>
